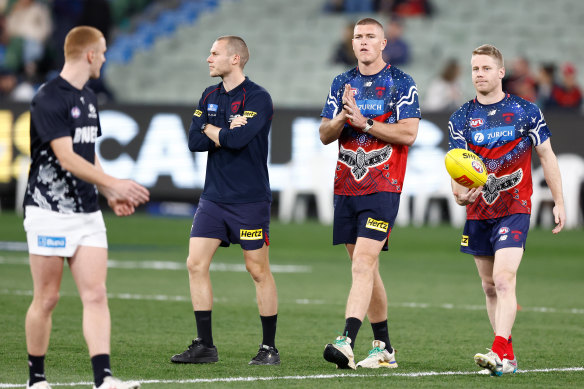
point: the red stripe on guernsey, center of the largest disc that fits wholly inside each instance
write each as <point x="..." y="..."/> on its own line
<point x="209" y="94"/>
<point x="497" y="152"/>
<point x="383" y="117"/>
<point x="243" y="101"/>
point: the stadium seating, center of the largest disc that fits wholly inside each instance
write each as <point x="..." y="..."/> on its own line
<point x="293" y="41"/>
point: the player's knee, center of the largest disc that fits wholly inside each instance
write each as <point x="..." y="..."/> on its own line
<point x="194" y="266"/>
<point x="47" y="302"/>
<point x="364" y="264"/>
<point x="504" y="282"/>
<point x="489" y="289"/>
<point x="259" y="272"/>
<point x="94" y="296"/>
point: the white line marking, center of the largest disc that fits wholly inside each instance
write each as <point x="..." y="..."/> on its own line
<point x="162" y="297"/>
<point x="169" y="265"/>
<point x="315" y="377"/>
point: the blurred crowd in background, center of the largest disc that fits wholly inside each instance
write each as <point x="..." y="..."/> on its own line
<point x="32" y="34"/>
<point x="549" y="85"/>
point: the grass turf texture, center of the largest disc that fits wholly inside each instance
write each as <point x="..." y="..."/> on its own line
<point x="440" y="331"/>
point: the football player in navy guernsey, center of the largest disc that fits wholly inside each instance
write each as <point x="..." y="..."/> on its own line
<point x="501" y="129"/>
<point x="373" y="112"/>
<point x="232" y="123"/>
<point x="62" y="216"/>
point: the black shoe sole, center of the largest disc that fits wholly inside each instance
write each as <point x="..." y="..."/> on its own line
<point x="263" y="363"/>
<point x="331" y="354"/>
<point x="197" y="361"/>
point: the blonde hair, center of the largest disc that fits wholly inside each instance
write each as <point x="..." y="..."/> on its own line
<point x="491" y="51"/>
<point x="78" y="39"/>
<point x="236" y="45"/>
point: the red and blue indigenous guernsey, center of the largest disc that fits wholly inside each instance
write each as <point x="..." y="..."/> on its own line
<point x="502" y="135"/>
<point x="366" y="164"/>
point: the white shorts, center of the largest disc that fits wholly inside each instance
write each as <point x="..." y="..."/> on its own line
<point x="51" y="233"/>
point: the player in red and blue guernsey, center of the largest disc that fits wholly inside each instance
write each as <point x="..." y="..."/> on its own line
<point x="373" y="112"/>
<point x="501" y="129"/>
<point x="232" y="123"/>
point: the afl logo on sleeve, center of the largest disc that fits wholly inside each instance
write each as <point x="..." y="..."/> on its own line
<point x="75" y="112"/>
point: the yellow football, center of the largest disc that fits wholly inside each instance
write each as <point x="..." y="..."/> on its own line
<point x="466" y="168"/>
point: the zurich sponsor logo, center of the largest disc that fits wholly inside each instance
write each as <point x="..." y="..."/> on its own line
<point x="370" y="107"/>
<point x="474" y="123"/>
<point x="212" y="107"/>
<point x="51" y="241"/>
<point x="75" y="112"/>
<point x="493" y="135"/>
<point x="503" y="230"/>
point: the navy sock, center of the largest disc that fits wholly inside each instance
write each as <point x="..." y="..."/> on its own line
<point x="36" y="369"/>
<point x="203" y="319"/>
<point x="381" y="332"/>
<point x="269" y="330"/>
<point x="352" y="325"/>
<point x="101" y="368"/>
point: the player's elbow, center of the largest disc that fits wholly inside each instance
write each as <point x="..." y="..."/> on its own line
<point x="410" y="139"/>
<point x="325" y="137"/>
<point x="66" y="162"/>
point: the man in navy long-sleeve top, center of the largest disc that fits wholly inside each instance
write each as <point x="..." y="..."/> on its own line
<point x="232" y="123"/>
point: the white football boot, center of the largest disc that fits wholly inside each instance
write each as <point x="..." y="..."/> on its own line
<point x="114" y="383"/>
<point x="509" y="366"/>
<point x="490" y="361"/>
<point x="340" y="353"/>
<point x="379" y="357"/>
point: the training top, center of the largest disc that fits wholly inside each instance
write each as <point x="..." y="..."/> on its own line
<point x="502" y="135"/>
<point x="237" y="171"/>
<point x="366" y="164"/>
<point x="58" y="110"/>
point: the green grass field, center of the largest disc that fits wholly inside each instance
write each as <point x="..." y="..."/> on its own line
<point x="436" y="313"/>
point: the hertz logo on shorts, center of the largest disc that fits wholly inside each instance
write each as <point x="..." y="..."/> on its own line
<point x="249" y="114"/>
<point x="251" y="234"/>
<point x="198" y="113"/>
<point x="464" y="241"/>
<point x="377" y="225"/>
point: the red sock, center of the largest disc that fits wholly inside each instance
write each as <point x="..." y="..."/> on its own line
<point x="499" y="346"/>
<point x="510" y="355"/>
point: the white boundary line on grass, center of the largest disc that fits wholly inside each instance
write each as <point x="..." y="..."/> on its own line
<point x="170" y="265"/>
<point x="186" y="298"/>
<point x="315" y="377"/>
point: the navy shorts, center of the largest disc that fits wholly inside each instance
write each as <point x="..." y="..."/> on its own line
<point x="485" y="237"/>
<point x="368" y="216"/>
<point x="245" y="224"/>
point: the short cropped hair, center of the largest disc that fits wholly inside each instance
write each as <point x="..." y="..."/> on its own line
<point x="236" y="45"/>
<point x="78" y="39"/>
<point x="491" y="51"/>
<point x="369" y="21"/>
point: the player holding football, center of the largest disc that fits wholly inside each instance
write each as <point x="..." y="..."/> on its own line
<point x="373" y="112"/>
<point x="232" y="123"/>
<point x="62" y="216"/>
<point x="501" y="129"/>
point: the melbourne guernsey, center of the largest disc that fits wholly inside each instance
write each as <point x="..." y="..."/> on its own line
<point x="366" y="164"/>
<point x="502" y="135"/>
